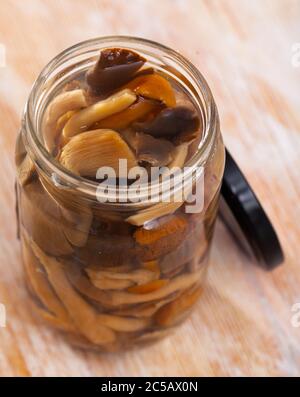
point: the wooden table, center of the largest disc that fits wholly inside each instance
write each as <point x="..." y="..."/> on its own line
<point x="243" y="325"/>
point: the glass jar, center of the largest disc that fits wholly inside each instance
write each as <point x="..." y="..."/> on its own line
<point x="112" y="275"/>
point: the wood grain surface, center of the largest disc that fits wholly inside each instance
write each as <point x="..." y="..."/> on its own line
<point x="242" y="326"/>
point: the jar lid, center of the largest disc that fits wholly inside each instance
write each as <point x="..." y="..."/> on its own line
<point x="245" y="217"/>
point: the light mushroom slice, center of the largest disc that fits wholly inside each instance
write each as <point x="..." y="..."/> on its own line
<point x="112" y="299"/>
<point x="40" y="284"/>
<point x="25" y="171"/>
<point x="83" y="315"/>
<point x="81" y="121"/>
<point x="61" y="104"/>
<point x="97" y="327"/>
<point x="85" y="153"/>
<point x="61" y="122"/>
<point x="83" y="285"/>
<point x="179" y="156"/>
<point x="179" y="283"/>
<point x="154" y="86"/>
<point x="143" y="310"/>
<point x="112" y="269"/>
<point x="137" y="111"/>
<point x="109" y="283"/>
<point x="139" y="276"/>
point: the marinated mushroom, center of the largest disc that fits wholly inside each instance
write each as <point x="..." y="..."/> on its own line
<point x="88" y="151"/>
<point x="157" y="152"/>
<point x="79" y="309"/>
<point x="97" y="271"/>
<point x="136" y="112"/>
<point x="123" y="324"/>
<point x="143" y="309"/>
<point x="41" y="217"/>
<point x="171" y="313"/>
<point x="160" y="236"/>
<point x="61" y="140"/>
<point x="179" y="124"/>
<point x="60" y="105"/>
<point x="82" y="120"/>
<point x="101" y="251"/>
<point x="111" y="276"/>
<point x="181" y="282"/>
<point x="109" y="283"/>
<point x="153" y="86"/>
<point x="119" y="299"/>
<point x="148" y="287"/>
<point x="180" y="154"/>
<point x="84" y="285"/>
<point x="83" y="315"/>
<point x="77" y="224"/>
<point x="40" y="284"/>
<point x="115" y="67"/>
<point x="138" y="276"/>
<point x="26" y="170"/>
<point x="194" y="245"/>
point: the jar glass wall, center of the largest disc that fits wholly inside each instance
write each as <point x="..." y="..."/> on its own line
<point x="112" y="275"/>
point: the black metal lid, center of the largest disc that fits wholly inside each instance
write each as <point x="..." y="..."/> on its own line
<point x="245" y="217"/>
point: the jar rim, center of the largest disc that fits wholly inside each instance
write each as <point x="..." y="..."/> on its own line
<point x="62" y="177"/>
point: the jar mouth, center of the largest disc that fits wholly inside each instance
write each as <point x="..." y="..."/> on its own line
<point x="61" y="64"/>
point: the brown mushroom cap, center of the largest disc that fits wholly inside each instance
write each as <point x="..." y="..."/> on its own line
<point x="115" y="67"/>
<point x="171" y="123"/>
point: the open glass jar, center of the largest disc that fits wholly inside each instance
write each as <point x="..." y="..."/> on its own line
<point x="119" y="273"/>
